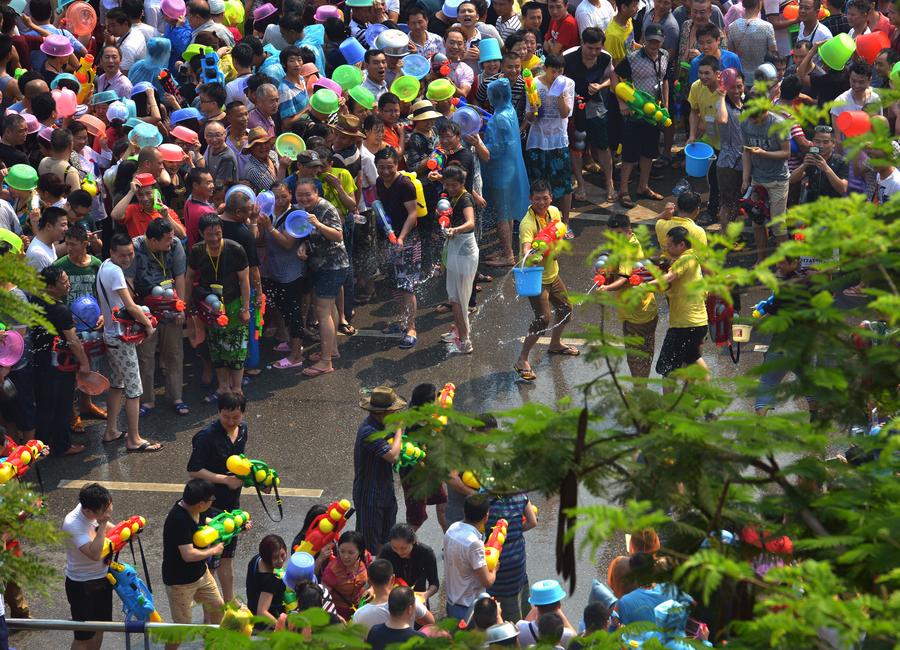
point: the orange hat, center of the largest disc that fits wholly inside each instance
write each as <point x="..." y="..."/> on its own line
<point x="146" y="180"/>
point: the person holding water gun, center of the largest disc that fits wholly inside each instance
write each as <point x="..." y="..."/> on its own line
<point x="541" y="215"/>
<point x="211" y="447"/>
<point x="138" y="215"/>
<point x="185" y="573"/>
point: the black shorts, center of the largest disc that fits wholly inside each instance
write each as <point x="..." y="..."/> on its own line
<point x="640" y="140"/>
<point x="89" y="601"/>
<point x="680" y="348"/>
<point x="215" y="561"/>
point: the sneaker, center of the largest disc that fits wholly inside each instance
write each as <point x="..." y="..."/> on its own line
<point x="450" y="336"/>
<point x="461" y="347"/>
<point x="570" y="234"/>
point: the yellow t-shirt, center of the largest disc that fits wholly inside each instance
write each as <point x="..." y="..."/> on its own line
<point x="331" y="195"/>
<point x="687" y="305"/>
<point x="530" y="226"/>
<point x="706" y="103"/>
<point x="696" y="233"/>
<point x="642" y="312"/>
<point x="619" y="40"/>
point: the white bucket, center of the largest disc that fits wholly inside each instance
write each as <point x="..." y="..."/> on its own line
<point x="741" y="333"/>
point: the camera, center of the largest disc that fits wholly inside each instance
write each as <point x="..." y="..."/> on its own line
<point x="814" y="150"/>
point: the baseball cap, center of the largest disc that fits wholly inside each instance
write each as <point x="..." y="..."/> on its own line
<point x="309" y="159"/>
<point x="654" y="32"/>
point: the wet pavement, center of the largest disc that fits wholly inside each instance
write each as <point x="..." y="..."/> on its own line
<point x="305" y="427"/>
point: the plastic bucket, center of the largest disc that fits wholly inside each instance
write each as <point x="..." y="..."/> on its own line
<point x="266" y="203"/>
<point x="836" y="51"/>
<point x="467" y="119"/>
<point x="91" y="383"/>
<point x="740" y="333"/>
<point x="406" y="87"/>
<point x="869" y="45"/>
<point x="12" y="347"/>
<point x="347" y="76"/>
<point x="352" y="50"/>
<point x="289" y="145"/>
<point x="528" y="280"/>
<point x="297" y="224"/>
<point x="698" y="157"/>
<point x="243" y="189"/>
<point x="330" y="84"/>
<point x="66" y="102"/>
<point x="853" y="123"/>
<point x="895" y="75"/>
<point x="415" y="65"/>
<point x="373" y="32"/>
<point x="728" y="78"/>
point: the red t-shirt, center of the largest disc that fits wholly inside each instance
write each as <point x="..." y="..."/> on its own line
<point x="193" y="211"/>
<point x="136" y="219"/>
<point x="564" y="32"/>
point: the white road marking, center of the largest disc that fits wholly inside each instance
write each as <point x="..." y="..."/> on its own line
<point x="175" y="488"/>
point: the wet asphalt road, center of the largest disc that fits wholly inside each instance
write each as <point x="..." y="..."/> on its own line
<point x="305" y="427"/>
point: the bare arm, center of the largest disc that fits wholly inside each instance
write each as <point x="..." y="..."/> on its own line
<point x="77" y="349"/>
<point x="190" y="553"/>
<point x="412" y="218"/>
<point x="94" y="550"/>
<point x="393" y="453"/>
<point x="134" y="310"/>
<point x="118" y="211"/>
<point x="467" y="226"/>
<point x="485" y="576"/>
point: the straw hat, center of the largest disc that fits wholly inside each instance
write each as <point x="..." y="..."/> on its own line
<point x="257" y="135"/>
<point x="423" y="110"/>
<point x="348" y="125"/>
<point x="383" y="399"/>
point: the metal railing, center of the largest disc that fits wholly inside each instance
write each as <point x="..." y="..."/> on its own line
<point x="127" y="627"/>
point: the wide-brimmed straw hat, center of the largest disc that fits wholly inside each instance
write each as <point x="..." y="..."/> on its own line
<point x="382" y="399"/>
<point x="423" y="110"/>
<point x="257" y="135"/>
<point x="348" y="125"/>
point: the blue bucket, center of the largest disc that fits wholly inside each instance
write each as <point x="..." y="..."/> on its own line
<point x="698" y="157"/>
<point x="352" y="51"/>
<point x="528" y="280"/>
<point x="297" y="224"/>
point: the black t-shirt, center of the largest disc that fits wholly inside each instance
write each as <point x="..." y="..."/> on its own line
<point x="232" y="259"/>
<point x="826" y="87"/>
<point x="264" y="582"/>
<point x="576" y="70"/>
<point x="42" y="340"/>
<point x="381" y="636"/>
<point x="818" y="184"/>
<point x="419" y="570"/>
<point x="211" y="448"/>
<point x="10" y="156"/>
<point x="240" y="233"/>
<point x="465" y="201"/>
<point x="179" y="530"/>
<point x="393" y="198"/>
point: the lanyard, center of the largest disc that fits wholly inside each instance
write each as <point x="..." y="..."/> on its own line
<point x="161" y="260"/>
<point x="453" y="202"/>
<point x="215" y="265"/>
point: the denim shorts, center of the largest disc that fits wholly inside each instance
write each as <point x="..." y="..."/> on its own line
<point x="328" y="282"/>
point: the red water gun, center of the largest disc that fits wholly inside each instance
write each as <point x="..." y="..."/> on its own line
<point x="211" y="311"/>
<point x="436" y="160"/>
<point x="20" y="458"/>
<point x="600" y="270"/>
<point x="121" y="533"/>
<point x="133" y="332"/>
<point x="325" y="528"/>
<point x="169" y="85"/>
<point x="260" y="316"/>
<point x="640" y="274"/>
<point x="548" y="236"/>
<point x="440" y="64"/>
<point x="94" y="348"/>
<point x="163" y="302"/>
<point x="494" y="546"/>
<point x="444" y="212"/>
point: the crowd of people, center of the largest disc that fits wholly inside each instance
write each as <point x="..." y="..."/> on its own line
<point x="236" y="171"/>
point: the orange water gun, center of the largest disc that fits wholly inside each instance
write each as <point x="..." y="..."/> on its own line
<point x="121" y="533"/>
<point x="86" y="76"/>
<point x="20" y="458"/>
<point x="325" y="528"/>
<point x="494" y="546"/>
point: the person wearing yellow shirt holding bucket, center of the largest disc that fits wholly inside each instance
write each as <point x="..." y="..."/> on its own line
<point x="553" y="291"/>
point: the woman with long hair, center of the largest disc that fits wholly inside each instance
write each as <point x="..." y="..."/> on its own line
<point x="347" y="573"/>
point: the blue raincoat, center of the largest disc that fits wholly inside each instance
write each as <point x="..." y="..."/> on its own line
<point x="505" y="179"/>
<point x="158" y="51"/>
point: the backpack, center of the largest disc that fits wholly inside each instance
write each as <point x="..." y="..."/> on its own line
<point x="421" y="208"/>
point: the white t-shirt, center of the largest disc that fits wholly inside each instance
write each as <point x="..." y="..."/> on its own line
<point x="550" y="130"/>
<point x="528" y="634"/>
<point x="81" y="530"/>
<point x="112" y="278"/>
<point x="463" y="556"/>
<point x="39" y="254"/>
<point x="818" y="33"/>
<point x="888" y="186"/>
<point x="133" y="47"/>
<point x="848" y="103"/>
<point x="372" y="614"/>
<point x="587" y="15"/>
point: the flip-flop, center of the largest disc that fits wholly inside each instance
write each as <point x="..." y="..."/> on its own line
<point x="315" y="357"/>
<point x="407" y="342"/>
<point x="393" y="328"/>
<point x="566" y="351"/>
<point x="145" y="410"/>
<point x="626" y="201"/>
<point x="145" y="448"/>
<point x="481" y="277"/>
<point x="287" y="364"/>
<point x="119" y="437"/>
<point x="525" y="374"/>
<point x="312" y="371"/>
<point x="347" y="329"/>
<point x="284" y="346"/>
<point x="650" y="195"/>
<point x="212" y="398"/>
<point x="181" y="408"/>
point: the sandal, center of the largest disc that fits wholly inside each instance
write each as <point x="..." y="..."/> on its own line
<point x="651" y="195"/>
<point x="287" y="364"/>
<point x="145" y="448"/>
<point x="443" y="308"/>
<point x="315" y="357"/>
<point x="566" y="351"/>
<point x="626" y="201"/>
<point x="408" y="342"/>
<point x="181" y="408"/>
<point x="579" y="196"/>
<point x="119" y="437"/>
<point x="212" y="398"/>
<point x="145" y="410"/>
<point x="481" y="277"/>
<point x="854" y="292"/>
<point x="284" y="346"/>
<point x="347" y="329"/>
<point x="312" y="371"/>
<point x="525" y="374"/>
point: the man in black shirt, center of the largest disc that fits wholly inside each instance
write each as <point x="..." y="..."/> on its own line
<point x="239" y="225"/>
<point x="184" y="570"/>
<point x="212" y="446"/>
<point x="402" y="608"/>
<point x="54" y="390"/>
<point x="825" y="172"/>
<point x="14" y="133"/>
<point x="413" y="561"/>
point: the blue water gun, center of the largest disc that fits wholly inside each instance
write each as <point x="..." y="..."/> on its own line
<point x="378" y="209"/>
<point x="460" y="102"/>
<point x="137" y="601"/>
<point x="209" y="69"/>
<point x="763" y="306"/>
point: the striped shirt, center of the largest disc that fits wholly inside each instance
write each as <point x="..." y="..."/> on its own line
<point x="511" y="571"/>
<point x="507" y="27"/>
<point x="292" y="98"/>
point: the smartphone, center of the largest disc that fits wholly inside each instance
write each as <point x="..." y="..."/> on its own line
<point x="814" y="150"/>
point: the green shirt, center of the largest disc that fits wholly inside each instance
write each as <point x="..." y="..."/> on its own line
<point x="82" y="278"/>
